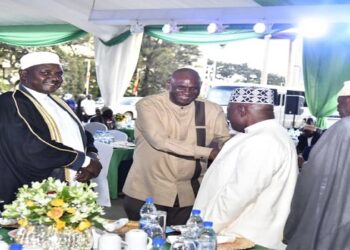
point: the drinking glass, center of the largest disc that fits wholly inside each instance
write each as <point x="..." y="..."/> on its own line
<point x="183" y="244"/>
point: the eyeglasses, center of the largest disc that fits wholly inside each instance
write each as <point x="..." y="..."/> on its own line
<point x="184" y="89"/>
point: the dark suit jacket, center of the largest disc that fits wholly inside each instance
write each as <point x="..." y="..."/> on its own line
<point x="303" y="148"/>
<point x="27" y="152"/>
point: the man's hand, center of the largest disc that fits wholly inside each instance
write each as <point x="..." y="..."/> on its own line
<point x="213" y="153"/>
<point x="89" y="172"/>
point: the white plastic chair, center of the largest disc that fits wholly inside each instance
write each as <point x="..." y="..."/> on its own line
<point x="93" y="126"/>
<point x="119" y="135"/>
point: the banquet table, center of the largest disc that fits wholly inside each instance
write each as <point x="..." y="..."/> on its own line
<point x="119" y="155"/>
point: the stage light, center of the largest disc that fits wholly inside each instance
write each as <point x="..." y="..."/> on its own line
<point x="313" y="27"/>
<point x="216" y="28"/>
<point x="170" y="28"/>
<point x="136" y="28"/>
<point x="259" y="27"/>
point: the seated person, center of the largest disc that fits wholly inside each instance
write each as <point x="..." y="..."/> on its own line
<point x="306" y="140"/>
<point x="106" y="118"/>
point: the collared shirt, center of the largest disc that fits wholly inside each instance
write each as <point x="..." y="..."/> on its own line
<point x="69" y="130"/>
<point x="248" y="189"/>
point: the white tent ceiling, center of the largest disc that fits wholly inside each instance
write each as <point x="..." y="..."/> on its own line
<point x="108" y="18"/>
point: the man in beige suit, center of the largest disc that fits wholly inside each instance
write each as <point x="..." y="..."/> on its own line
<point x="175" y="137"/>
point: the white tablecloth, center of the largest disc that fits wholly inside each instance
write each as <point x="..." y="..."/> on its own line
<point x="105" y="152"/>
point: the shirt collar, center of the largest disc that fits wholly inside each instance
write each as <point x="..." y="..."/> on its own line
<point x="259" y="125"/>
<point x="36" y="94"/>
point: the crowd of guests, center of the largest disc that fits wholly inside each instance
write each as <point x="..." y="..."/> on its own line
<point x="252" y="188"/>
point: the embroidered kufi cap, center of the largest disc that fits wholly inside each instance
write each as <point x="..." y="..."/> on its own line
<point x="309" y="127"/>
<point x="256" y="95"/>
<point x="37" y="58"/>
<point x="345" y="91"/>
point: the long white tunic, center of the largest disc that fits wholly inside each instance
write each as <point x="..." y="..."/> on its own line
<point x="248" y="189"/>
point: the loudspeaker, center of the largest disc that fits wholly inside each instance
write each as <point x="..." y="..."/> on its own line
<point x="294" y="104"/>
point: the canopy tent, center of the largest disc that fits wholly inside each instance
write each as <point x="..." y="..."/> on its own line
<point x="117" y="49"/>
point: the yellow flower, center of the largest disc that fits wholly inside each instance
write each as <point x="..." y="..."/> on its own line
<point x="23" y="222"/>
<point x="85" y="224"/>
<point x="71" y="210"/>
<point x="29" y="203"/>
<point x="55" y="213"/>
<point x="60" y="224"/>
<point x="57" y="202"/>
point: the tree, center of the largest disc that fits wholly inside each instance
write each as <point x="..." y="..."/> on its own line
<point x="9" y="64"/>
<point x="242" y="73"/>
<point x="74" y="61"/>
<point x="158" y="59"/>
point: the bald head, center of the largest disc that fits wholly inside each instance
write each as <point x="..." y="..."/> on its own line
<point x="184" y="86"/>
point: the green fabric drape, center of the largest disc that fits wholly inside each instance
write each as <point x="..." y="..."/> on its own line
<point x="326" y="65"/>
<point x="39" y="35"/>
<point x="198" y="34"/>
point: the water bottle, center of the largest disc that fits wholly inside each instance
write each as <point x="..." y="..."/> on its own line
<point x="148" y="212"/>
<point x="194" y="225"/>
<point x="154" y="230"/>
<point x="158" y="243"/>
<point x="207" y="237"/>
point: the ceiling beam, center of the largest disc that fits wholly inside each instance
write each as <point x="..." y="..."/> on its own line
<point x="237" y="15"/>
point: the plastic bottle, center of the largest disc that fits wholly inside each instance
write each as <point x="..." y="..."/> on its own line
<point x="158" y="243"/>
<point x="16" y="246"/>
<point x="148" y="212"/>
<point x="207" y="237"/>
<point x="194" y="225"/>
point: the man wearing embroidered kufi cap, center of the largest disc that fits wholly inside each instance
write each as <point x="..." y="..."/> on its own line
<point x="40" y="134"/>
<point x="248" y="189"/>
<point x="319" y="215"/>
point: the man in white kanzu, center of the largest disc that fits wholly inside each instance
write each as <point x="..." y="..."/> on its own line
<point x="247" y="190"/>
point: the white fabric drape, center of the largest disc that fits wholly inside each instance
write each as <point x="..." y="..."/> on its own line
<point x="115" y="66"/>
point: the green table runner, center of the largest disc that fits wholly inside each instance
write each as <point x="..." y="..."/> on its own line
<point x="119" y="155"/>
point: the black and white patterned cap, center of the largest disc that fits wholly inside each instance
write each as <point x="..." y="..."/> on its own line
<point x="256" y="95"/>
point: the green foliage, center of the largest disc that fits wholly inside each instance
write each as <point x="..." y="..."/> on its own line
<point x="74" y="66"/>
<point x="242" y="73"/>
<point x="158" y="60"/>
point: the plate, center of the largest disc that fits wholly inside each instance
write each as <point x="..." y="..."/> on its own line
<point x="115" y="225"/>
<point x="238" y="244"/>
<point x="9" y="223"/>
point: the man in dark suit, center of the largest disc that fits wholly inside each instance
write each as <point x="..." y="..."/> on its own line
<point x="40" y="134"/>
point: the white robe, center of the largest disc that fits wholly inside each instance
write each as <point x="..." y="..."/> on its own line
<point x="248" y="189"/>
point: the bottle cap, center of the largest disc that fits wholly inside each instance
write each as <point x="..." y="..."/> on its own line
<point x="208" y="224"/>
<point x="158" y="241"/>
<point x="16" y="246"/>
<point x="196" y="212"/>
<point x="149" y="200"/>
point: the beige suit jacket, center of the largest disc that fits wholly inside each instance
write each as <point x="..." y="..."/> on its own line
<point x="166" y="149"/>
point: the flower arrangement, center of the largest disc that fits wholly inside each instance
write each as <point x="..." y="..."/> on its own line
<point x="54" y="203"/>
<point x="120" y="117"/>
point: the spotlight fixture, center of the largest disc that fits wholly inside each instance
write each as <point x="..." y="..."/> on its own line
<point x="215" y="28"/>
<point x="259" y="27"/>
<point x="170" y="28"/>
<point x="136" y="28"/>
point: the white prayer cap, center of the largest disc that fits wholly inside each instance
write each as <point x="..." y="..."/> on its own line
<point x="345" y="91"/>
<point x="256" y="95"/>
<point x="37" y="58"/>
